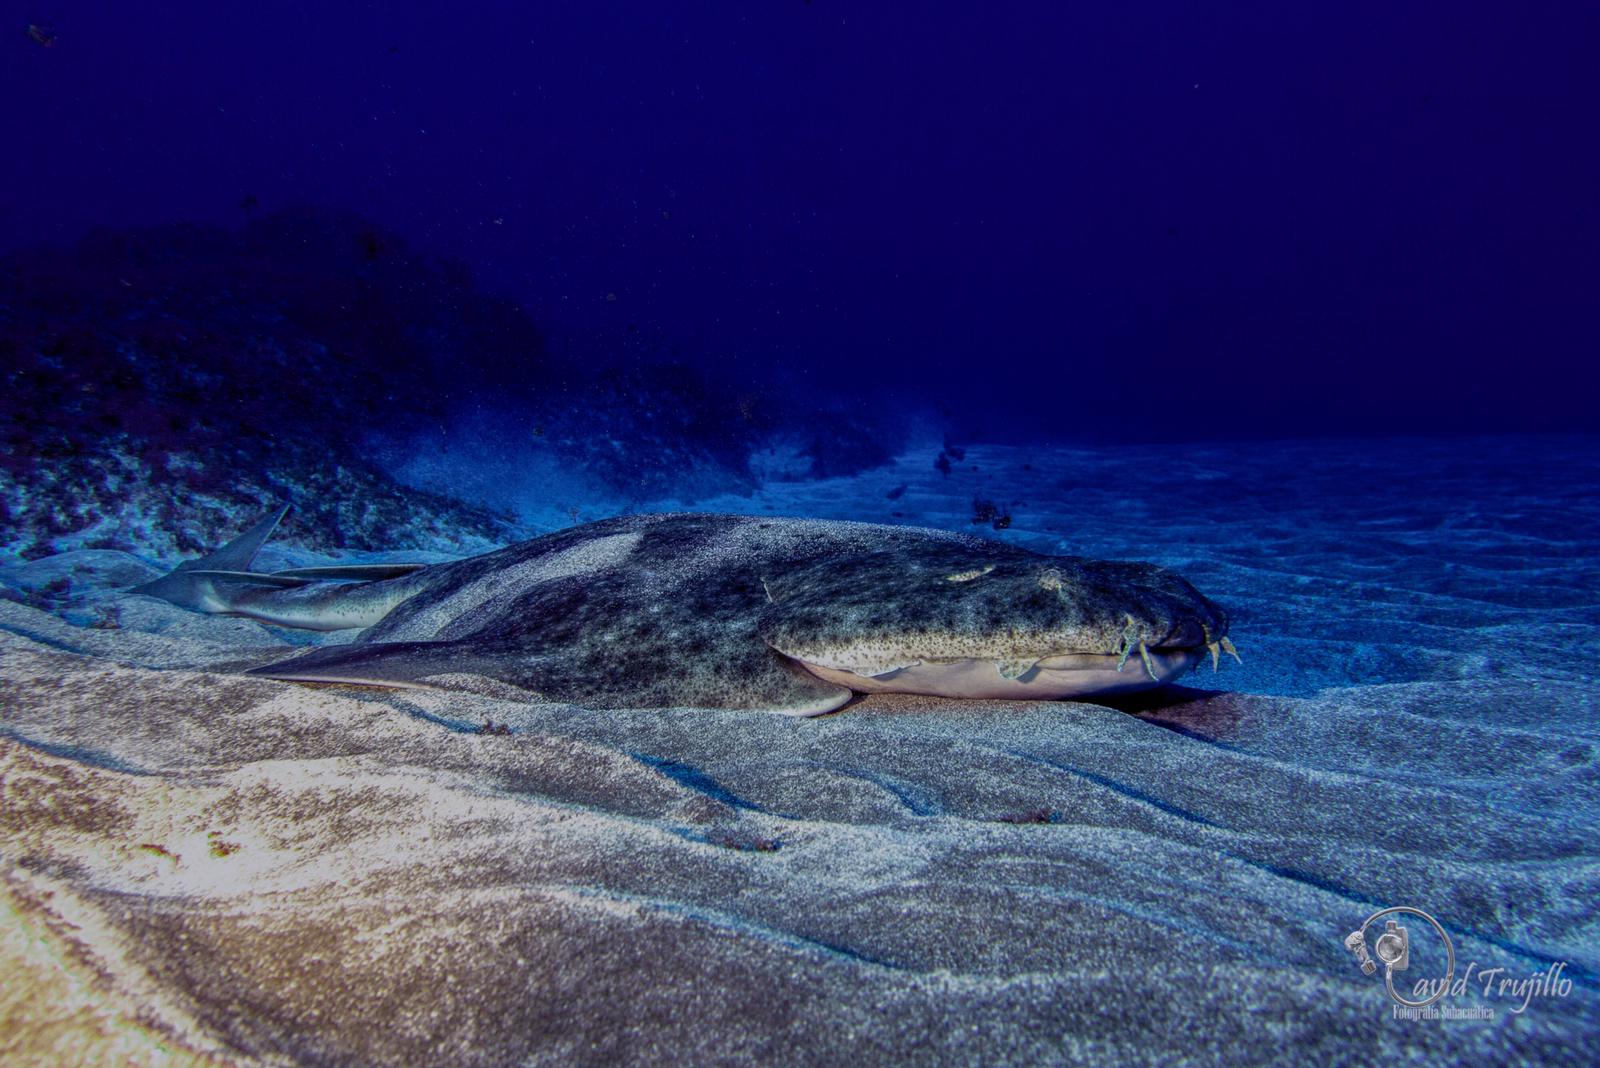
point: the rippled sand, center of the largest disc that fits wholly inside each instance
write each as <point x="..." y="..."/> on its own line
<point x="201" y="865"/>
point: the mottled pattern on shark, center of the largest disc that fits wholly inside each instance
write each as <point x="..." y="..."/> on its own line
<point x="732" y="612"/>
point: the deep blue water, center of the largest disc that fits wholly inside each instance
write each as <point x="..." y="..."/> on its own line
<point x="1062" y="221"/>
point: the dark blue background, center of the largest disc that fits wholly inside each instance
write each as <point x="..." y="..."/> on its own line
<point x="1129" y="221"/>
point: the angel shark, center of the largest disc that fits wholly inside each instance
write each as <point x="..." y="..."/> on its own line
<point x="791" y="616"/>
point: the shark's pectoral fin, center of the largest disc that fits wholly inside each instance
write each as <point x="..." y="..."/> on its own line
<point x="761" y="681"/>
<point x="398" y="665"/>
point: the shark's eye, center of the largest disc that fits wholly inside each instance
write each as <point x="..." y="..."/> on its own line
<point x="968" y="576"/>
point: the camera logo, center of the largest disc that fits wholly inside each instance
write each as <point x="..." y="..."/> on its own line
<point x="1393" y="949"/>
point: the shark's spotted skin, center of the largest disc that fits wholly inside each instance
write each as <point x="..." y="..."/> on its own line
<point x="717" y="611"/>
<point x="1009" y="608"/>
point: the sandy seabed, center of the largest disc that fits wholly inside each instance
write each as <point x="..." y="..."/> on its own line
<point x="201" y="867"/>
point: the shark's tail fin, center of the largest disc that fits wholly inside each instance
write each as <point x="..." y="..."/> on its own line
<point x="223" y="582"/>
<point x="193" y="584"/>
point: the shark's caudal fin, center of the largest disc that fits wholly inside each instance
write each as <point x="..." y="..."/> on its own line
<point x="193" y="584"/>
<point x="222" y="582"/>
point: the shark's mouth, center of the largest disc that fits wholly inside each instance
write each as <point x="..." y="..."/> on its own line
<point x="1061" y="677"/>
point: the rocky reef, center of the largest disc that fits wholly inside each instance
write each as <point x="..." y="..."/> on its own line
<point x="163" y="383"/>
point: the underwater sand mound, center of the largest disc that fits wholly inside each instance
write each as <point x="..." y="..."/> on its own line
<point x="251" y="871"/>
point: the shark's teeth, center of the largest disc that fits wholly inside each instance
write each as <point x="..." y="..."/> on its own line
<point x="1014" y="669"/>
<point x="1227" y="647"/>
<point x="1215" y="649"/>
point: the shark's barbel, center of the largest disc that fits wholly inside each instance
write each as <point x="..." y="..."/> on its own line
<point x="790" y="616"/>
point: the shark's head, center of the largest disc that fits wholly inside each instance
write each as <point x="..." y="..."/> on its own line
<point x="973" y="620"/>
